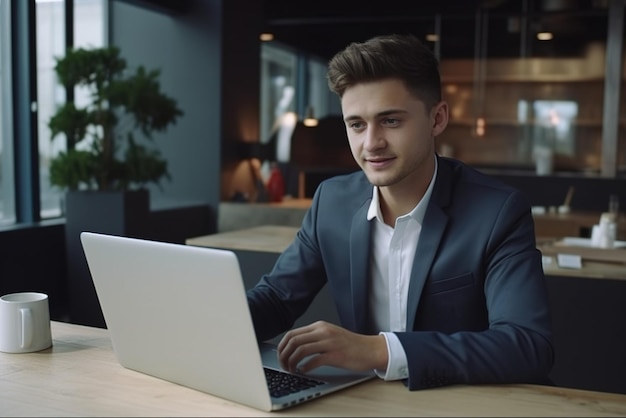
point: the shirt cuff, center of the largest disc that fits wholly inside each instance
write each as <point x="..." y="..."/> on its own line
<point x="397" y="366"/>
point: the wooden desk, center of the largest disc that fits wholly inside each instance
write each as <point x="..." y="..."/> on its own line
<point x="79" y="376"/>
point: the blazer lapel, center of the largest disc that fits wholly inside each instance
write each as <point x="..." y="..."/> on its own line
<point x="360" y="233"/>
<point x="433" y="227"/>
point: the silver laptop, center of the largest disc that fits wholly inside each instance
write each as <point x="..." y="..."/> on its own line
<point x="180" y="313"/>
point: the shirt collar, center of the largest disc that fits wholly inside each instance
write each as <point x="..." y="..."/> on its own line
<point x="416" y="213"/>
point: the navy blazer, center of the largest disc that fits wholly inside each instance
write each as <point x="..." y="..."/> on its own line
<point x="477" y="307"/>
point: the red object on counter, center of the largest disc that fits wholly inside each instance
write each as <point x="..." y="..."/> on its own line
<point x="276" y="185"/>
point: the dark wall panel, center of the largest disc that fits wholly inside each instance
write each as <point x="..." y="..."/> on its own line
<point x="589" y="317"/>
<point x="33" y="259"/>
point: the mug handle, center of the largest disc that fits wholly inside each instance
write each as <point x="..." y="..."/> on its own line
<point x="27" y="327"/>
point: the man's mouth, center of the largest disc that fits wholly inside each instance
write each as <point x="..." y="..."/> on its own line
<point x="379" y="162"/>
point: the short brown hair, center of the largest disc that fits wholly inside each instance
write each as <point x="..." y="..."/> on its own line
<point x="402" y="57"/>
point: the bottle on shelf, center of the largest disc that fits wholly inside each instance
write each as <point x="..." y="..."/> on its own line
<point x="604" y="234"/>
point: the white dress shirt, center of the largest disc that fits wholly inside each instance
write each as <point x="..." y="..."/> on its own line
<point x="391" y="259"/>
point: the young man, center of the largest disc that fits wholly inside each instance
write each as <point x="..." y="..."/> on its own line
<point x="433" y="266"/>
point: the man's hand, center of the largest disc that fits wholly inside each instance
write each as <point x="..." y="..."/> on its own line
<point x="331" y="345"/>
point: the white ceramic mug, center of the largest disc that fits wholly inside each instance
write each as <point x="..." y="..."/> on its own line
<point x="24" y="322"/>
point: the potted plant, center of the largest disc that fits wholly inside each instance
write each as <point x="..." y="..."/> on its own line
<point x="102" y="152"/>
<point x="106" y="167"/>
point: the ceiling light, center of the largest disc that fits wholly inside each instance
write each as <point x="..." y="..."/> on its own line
<point x="266" y="36"/>
<point x="544" y="36"/>
<point x="310" y="120"/>
<point x="479" y="128"/>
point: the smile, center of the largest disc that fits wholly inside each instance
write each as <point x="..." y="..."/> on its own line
<point x="379" y="162"/>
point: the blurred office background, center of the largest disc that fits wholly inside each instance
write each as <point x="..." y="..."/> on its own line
<point x="526" y="80"/>
<point x="536" y="92"/>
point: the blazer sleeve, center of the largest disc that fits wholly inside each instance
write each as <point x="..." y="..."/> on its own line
<point x="516" y="347"/>
<point x="284" y="294"/>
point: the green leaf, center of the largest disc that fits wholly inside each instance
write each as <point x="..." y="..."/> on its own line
<point x="73" y="169"/>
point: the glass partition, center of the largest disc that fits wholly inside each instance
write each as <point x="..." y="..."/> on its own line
<point x="525" y="80"/>
<point x="531" y="91"/>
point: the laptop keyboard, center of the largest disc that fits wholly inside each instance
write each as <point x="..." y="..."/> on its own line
<point x="282" y="384"/>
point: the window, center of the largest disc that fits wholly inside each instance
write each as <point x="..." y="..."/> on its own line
<point x="89" y="31"/>
<point x="319" y="96"/>
<point x="90" y="23"/>
<point x="7" y="195"/>
<point x="278" y="87"/>
<point x="287" y="98"/>
<point x="50" y="16"/>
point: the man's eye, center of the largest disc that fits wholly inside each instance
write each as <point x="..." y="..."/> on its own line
<point x="391" y="121"/>
<point x="356" y="125"/>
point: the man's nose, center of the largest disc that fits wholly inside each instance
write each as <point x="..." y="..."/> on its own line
<point x="374" y="138"/>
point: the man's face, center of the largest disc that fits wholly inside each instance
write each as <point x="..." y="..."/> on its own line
<point x="391" y="133"/>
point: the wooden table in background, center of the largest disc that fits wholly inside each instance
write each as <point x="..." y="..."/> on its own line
<point x="275" y="239"/>
<point x="572" y="224"/>
<point x="596" y="263"/>
<point x="257" y="249"/>
<point x="265" y="238"/>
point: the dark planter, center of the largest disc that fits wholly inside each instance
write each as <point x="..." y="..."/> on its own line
<point x="117" y="213"/>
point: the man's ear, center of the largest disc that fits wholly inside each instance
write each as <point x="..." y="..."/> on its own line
<point x="440" y="115"/>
